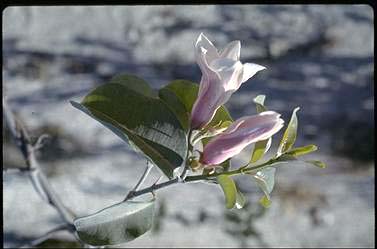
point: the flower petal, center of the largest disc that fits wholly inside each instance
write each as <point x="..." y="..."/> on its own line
<point x="250" y="122"/>
<point x="250" y="69"/>
<point x="241" y="133"/>
<point x="232" y="51"/>
<point x="206" y="103"/>
<point x="229" y="72"/>
<point x="204" y="46"/>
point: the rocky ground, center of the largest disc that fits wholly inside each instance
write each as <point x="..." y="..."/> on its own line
<point x="317" y="57"/>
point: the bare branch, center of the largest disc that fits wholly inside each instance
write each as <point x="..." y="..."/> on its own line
<point x="39" y="180"/>
<point x="40" y="142"/>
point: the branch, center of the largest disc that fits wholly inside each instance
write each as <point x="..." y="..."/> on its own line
<point x="246" y="169"/>
<point x="144" y="176"/>
<point x="151" y="189"/>
<point x="39" y="180"/>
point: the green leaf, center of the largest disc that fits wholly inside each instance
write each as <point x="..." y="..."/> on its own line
<point x="317" y="163"/>
<point x="134" y="83"/>
<point x="186" y="92"/>
<point x="116" y="224"/>
<point x="290" y="134"/>
<point x="260" y="147"/>
<point x="229" y="188"/>
<point x="265" y="201"/>
<point x="285" y="158"/>
<point x="143" y="121"/>
<point x="226" y="165"/>
<point x="299" y="151"/>
<point x="240" y="200"/>
<point x="206" y="134"/>
<point x="266" y="181"/>
<point x="259" y="102"/>
<point x="175" y="104"/>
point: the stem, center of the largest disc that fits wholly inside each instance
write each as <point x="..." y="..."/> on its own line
<point x="183" y="178"/>
<point x="242" y="170"/>
<point x="151" y="189"/>
<point x="144" y="176"/>
<point x="189" y="146"/>
<point x="140" y="182"/>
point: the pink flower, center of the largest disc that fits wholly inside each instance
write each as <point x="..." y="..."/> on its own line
<point x="239" y="134"/>
<point x="222" y="74"/>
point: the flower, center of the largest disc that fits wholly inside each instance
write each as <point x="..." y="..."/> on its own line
<point x="222" y="74"/>
<point x="239" y="134"/>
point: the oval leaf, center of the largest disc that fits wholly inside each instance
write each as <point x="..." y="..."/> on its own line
<point x="265" y="201"/>
<point x="240" y="200"/>
<point x="134" y="83"/>
<point x="187" y="92"/>
<point x="259" y="102"/>
<point x="317" y="163"/>
<point x="229" y="188"/>
<point x="145" y="122"/>
<point x="290" y="134"/>
<point x="260" y="147"/>
<point x="299" y="151"/>
<point x="116" y="224"/>
<point x="266" y="181"/>
<point x="175" y="104"/>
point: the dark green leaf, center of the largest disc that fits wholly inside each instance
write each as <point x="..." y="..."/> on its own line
<point x="226" y="165"/>
<point x="145" y="122"/>
<point x="229" y="188"/>
<point x="299" y="151"/>
<point x="116" y="224"/>
<point x="134" y="83"/>
<point x="175" y="104"/>
<point x="290" y="134"/>
<point x="187" y="91"/>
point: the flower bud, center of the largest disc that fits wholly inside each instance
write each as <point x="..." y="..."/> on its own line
<point x="240" y="134"/>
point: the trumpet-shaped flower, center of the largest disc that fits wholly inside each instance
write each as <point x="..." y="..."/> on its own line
<point x="239" y="134"/>
<point x="222" y="74"/>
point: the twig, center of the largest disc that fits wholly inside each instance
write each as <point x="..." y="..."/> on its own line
<point x="37" y="177"/>
<point x="46" y="236"/>
<point x="144" y="176"/>
<point x="184" y="173"/>
<point x="141" y="180"/>
<point x="151" y="188"/>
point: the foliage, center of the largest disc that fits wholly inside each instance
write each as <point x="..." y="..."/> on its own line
<point x="156" y="123"/>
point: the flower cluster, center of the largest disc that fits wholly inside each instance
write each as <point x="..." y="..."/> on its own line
<point x="222" y="74"/>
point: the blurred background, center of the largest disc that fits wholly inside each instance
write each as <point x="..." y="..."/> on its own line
<point x="318" y="57"/>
